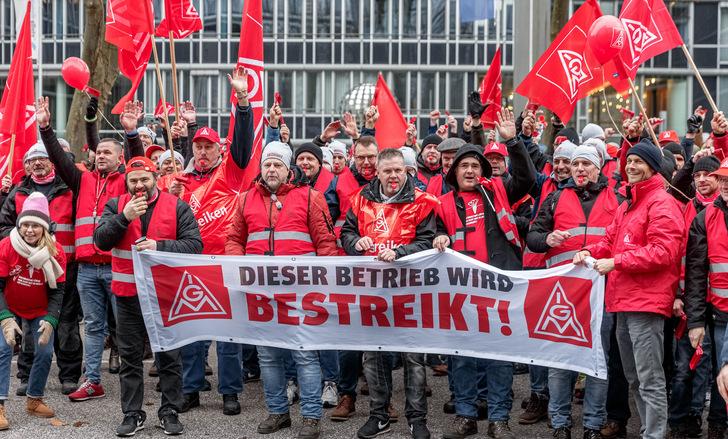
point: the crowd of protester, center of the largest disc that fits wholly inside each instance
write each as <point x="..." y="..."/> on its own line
<point x="652" y="218"/>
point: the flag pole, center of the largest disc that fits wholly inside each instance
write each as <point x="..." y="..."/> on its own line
<point x="700" y="78"/>
<point x="644" y="112"/>
<point x="10" y="156"/>
<point x="166" y="113"/>
<point x="174" y="74"/>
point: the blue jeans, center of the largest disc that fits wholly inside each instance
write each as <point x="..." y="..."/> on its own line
<point x="274" y="380"/>
<point x="467" y="374"/>
<point x="561" y="386"/>
<point x="94" y="289"/>
<point x="229" y="367"/>
<point x="349" y="370"/>
<point x="41" y="363"/>
<point x="539" y="377"/>
<point x="481" y="377"/>
<point x="329" y="365"/>
<point x="686" y="381"/>
<point x="250" y="360"/>
<point x="717" y="415"/>
<point x="499" y="375"/>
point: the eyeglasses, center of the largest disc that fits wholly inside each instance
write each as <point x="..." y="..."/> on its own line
<point x="362" y="158"/>
<point x="38" y="159"/>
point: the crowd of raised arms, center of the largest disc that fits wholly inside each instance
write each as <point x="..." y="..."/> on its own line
<point x="652" y="218"/>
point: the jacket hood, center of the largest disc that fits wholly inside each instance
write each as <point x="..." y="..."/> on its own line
<point x="372" y="191"/>
<point x="467" y="150"/>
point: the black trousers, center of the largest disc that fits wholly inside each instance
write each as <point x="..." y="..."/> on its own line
<point x="67" y="337"/>
<point x="130" y="335"/>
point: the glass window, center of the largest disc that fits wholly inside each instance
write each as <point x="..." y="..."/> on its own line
<point x="268" y="18"/>
<point x="352" y="18"/>
<point x="285" y="88"/>
<point x="342" y="85"/>
<point x="680" y="12"/>
<point x="705" y="32"/>
<point x="409" y="18"/>
<point x="72" y="17"/>
<point x="295" y="12"/>
<point x="236" y="19"/>
<point x="723" y="40"/>
<point x="428" y="92"/>
<point x="313" y="92"/>
<point x="310" y="27"/>
<point x="453" y="17"/>
<point x="323" y="18"/>
<point x="337" y="18"/>
<point x="224" y="19"/>
<point x="209" y="17"/>
<point x="437" y="20"/>
<point x="48" y="20"/>
<point x="399" y="89"/>
<point x="457" y="93"/>
<point x="158" y="11"/>
<point x="366" y="22"/>
<point x="59" y="20"/>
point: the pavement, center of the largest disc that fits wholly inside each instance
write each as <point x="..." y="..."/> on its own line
<point x="99" y="418"/>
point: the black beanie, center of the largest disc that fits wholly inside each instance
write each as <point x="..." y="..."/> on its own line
<point x="313" y="149"/>
<point x="649" y="153"/>
<point x="430" y="140"/>
<point x="709" y="163"/>
<point x="668" y="166"/>
<point x="674" y="148"/>
<point x="571" y="135"/>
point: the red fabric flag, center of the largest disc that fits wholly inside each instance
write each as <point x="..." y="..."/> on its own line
<point x="567" y="71"/>
<point x="130" y="28"/>
<point x="490" y="91"/>
<point x="159" y="111"/>
<point x="17" y="112"/>
<point x="180" y="17"/>
<point x="391" y="126"/>
<point x="250" y="56"/>
<point x="650" y="31"/>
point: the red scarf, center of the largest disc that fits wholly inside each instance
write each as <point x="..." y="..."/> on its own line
<point x="706" y="201"/>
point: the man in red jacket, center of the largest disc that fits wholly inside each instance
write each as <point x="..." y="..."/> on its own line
<point x="642" y="249"/>
<point x="282" y="215"/>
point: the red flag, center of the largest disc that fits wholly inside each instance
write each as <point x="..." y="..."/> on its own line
<point x="17" y="112"/>
<point x="391" y="125"/>
<point x="159" y="111"/>
<point x="490" y="90"/>
<point x="179" y="16"/>
<point x="250" y="56"/>
<point x="130" y="30"/>
<point x="650" y="31"/>
<point x="567" y="71"/>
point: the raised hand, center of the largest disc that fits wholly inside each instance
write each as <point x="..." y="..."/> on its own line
<point x="372" y="116"/>
<point x="506" y="124"/>
<point x="434" y="117"/>
<point x="718" y="124"/>
<point x="42" y="112"/>
<point x="275" y="115"/>
<point x="130" y="115"/>
<point x="239" y="83"/>
<point x="349" y="125"/>
<point x="188" y="112"/>
<point x="331" y="131"/>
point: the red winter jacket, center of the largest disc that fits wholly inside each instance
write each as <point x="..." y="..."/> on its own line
<point x="645" y="239"/>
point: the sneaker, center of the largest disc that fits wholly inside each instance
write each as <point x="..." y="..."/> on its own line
<point x="230" y="404"/>
<point x="291" y="392"/>
<point x="419" y="430"/>
<point x="537" y="410"/>
<point x="461" y="428"/>
<point x="562" y="433"/>
<point x="68" y="387"/>
<point x="192" y="400"/>
<point x="614" y="430"/>
<point x="132" y="423"/>
<point x="344" y="410"/>
<point x="500" y="430"/>
<point x="694" y="425"/>
<point x="22" y="389"/>
<point x="310" y="429"/>
<point x="153" y="372"/>
<point x="171" y="425"/>
<point x="88" y="390"/>
<point x="373" y="428"/>
<point x="449" y="407"/>
<point x="251" y="377"/>
<point x="38" y="408"/>
<point x="4" y="424"/>
<point x="330" y="394"/>
<point x="274" y="423"/>
<point x="592" y="434"/>
<point x="393" y="413"/>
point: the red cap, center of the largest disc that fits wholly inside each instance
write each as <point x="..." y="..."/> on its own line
<point x="667" y="137"/>
<point x="153" y="148"/>
<point x="496" y="148"/>
<point x="140" y="164"/>
<point x="207" y="133"/>
<point x="722" y="171"/>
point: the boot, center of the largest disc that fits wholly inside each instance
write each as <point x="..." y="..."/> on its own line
<point x="37" y="407"/>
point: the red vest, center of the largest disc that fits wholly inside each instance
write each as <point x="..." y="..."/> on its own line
<point x="290" y="235"/>
<point x="324" y="180"/>
<point x="434" y="186"/>
<point x="162" y="226"/>
<point x="689" y="214"/>
<point x="569" y="217"/>
<point x="423" y="178"/>
<point x="391" y="224"/>
<point x="93" y="193"/>
<point x="717" y="256"/>
<point x="61" y="210"/>
<point x="531" y="259"/>
<point x="456" y="229"/>
<point x="346" y="187"/>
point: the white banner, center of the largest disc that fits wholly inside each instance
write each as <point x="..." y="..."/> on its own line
<point x="432" y="302"/>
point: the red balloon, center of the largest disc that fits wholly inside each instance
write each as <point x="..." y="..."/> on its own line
<point x="607" y="38"/>
<point x="75" y="72"/>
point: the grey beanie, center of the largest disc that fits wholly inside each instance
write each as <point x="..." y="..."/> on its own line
<point x="410" y="157"/>
<point x="277" y="150"/>
<point x="586" y="152"/>
<point x="591" y="131"/>
<point x="564" y="150"/>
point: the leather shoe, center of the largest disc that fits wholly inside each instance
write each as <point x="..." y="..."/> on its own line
<point x="230" y="404"/>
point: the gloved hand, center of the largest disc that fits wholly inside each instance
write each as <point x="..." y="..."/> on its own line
<point x="475" y="106"/>
<point x="46" y="332"/>
<point x="10" y="327"/>
<point x="92" y="107"/>
<point x="695" y="122"/>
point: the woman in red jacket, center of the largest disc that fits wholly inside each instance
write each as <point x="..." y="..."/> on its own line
<point x="32" y="266"/>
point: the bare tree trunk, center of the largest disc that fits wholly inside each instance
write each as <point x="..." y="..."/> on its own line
<point x="559" y="17"/>
<point x="102" y="60"/>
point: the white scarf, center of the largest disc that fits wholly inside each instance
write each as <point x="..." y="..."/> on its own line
<point x="39" y="258"/>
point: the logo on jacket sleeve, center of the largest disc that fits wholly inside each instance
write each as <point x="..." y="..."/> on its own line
<point x="558" y="309"/>
<point x="191" y="293"/>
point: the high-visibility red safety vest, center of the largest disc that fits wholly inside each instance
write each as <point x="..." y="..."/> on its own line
<point x="391" y="224"/>
<point x="569" y="217"/>
<point x="434" y="186"/>
<point x="61" y="210"/>
<point x="531" y="259"/>
<point x="289" y="236"/>
<point x="93" y="193"/>
<point x="324" y="180"/>
<point x="346" y="187"/>
<point x="717" y="256"/>
<point x="689" y="214"/>
<point x="162" y="226"/>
